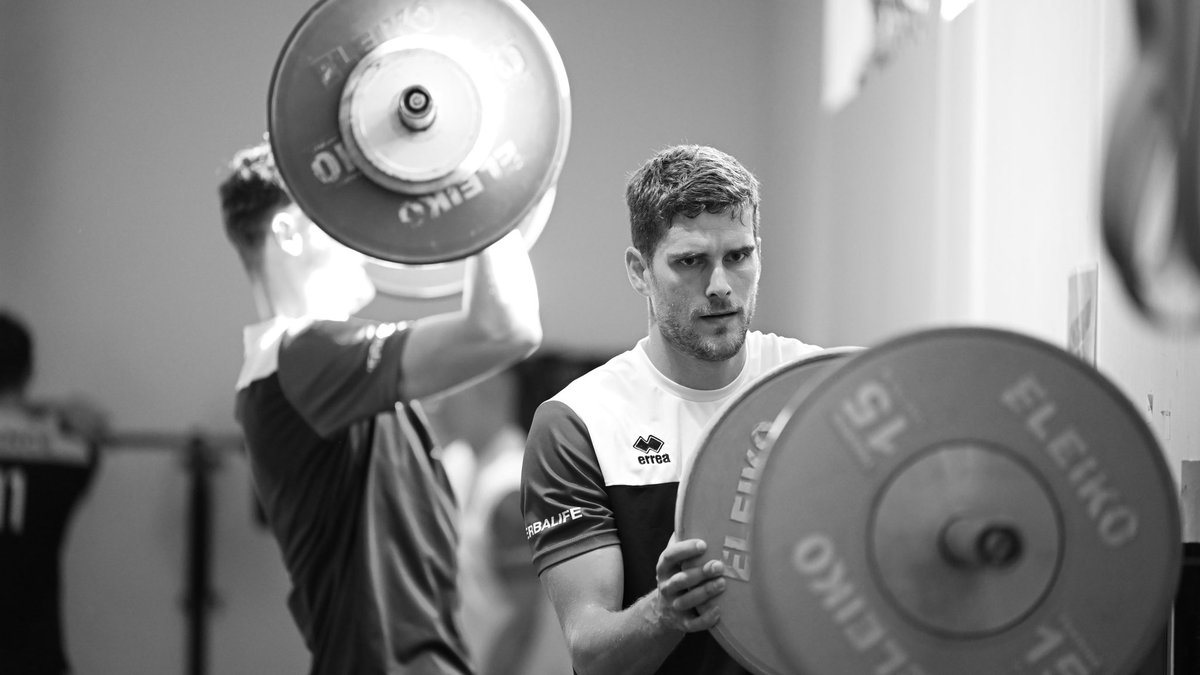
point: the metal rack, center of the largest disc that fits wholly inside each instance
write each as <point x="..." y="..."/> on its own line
<point x="201" y="459"/>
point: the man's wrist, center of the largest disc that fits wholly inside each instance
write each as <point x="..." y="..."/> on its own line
<point x="654" y="617"/>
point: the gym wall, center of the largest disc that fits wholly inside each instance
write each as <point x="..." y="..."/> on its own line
<point x="962" y="185"/>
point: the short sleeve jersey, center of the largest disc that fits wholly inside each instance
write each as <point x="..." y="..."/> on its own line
<point x="603" y="463"/>
<point x="355" y="496"/>
<point x="44" y="472"/>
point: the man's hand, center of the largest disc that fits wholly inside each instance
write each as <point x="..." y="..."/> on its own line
<point x="686" y="598"/>
<point x="604" y="638"/>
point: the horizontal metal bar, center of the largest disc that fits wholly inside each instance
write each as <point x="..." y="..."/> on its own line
<point x="166" y="440"/>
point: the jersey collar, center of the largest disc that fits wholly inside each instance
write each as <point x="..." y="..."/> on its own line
<point x="260" y="346"/>
<point x="687" y="393"/>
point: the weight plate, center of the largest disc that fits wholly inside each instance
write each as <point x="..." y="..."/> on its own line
<point x="414" y="117"/>
<point x="858" y="533"/>
<point x="440" y="280"/>
<point x="350" y="93"/>
<point x="716" y="497"/>
<point x="957" y="592"/>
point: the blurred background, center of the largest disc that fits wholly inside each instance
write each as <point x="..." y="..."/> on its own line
<point x="959" y="184"/>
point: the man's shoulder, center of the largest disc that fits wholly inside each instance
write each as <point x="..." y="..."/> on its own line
<point x="266" y="341"/>
<point x="768" y="350"/>
<point x="616" y="390"/>
<point x="341" y="345"/>
<point x="610" y="383"/>
<point x="772" y="341"/>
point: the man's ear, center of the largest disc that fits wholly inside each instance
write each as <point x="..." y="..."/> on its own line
<point x="637" y="268"/>
<point x="286" y="232"/>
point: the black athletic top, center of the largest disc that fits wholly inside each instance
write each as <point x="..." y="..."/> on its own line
<point x="359" y="504"/>
<point x="44" y="471"/>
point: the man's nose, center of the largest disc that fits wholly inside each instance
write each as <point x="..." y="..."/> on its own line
<point x="718" y="283"/>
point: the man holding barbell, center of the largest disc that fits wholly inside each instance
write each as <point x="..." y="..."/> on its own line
<point x="605" y="455"/>
<point x="342" y="459"/>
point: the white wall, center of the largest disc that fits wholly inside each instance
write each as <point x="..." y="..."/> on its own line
<point x="1052" y="86"/>
<point x="963" y="187"/>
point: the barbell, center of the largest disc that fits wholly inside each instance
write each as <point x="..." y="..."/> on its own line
<point x="958" y="500"/>
<point x="419" y="132"/>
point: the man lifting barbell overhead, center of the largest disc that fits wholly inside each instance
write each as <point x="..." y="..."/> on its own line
<point x="414" y="133"/>
<point x="605" y="456"/>
<point x="341" y="456"/>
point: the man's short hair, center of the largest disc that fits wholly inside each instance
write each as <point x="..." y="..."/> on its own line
<point x="16" y="353"/>
<point x="686" y="180"/>
<point x="250" y="194"/>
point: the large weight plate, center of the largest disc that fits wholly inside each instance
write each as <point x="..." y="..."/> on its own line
<point x="870" y="472"/>
<point x="716" y="497"/>
<point x="494" y="148"/>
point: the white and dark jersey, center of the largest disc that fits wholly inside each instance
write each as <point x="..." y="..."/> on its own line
<point x="44" y="472"/>
<point x="360" y="506"/>
<point x="603" y="463"/>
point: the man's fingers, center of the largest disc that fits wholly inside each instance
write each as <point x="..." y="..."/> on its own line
<point x="703" y="620"/>
<point x="699" y="595"/>
<point x="687" y="585"/>
<point x="675" y="558"/>
<point x="678" y="552"/>
<point x="684" y="579"/>
<point x="695" y="609"/>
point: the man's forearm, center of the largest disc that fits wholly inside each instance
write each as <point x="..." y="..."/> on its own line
<point x="501" y="294"/>
<point x="633" y="641"/>
<point x="497" y="325"/>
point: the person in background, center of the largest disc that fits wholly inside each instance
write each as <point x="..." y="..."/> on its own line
<point x="341" y="454"/>
<point x="49" y="453"/>
<point x="605" y="455"/>
<point x="508" y="622"/>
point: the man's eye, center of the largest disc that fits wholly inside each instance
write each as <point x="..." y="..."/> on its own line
<point x="738" y="256"/>
<point x="689" y="261"/>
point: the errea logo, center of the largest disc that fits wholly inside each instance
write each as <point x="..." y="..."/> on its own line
<point x="652" y="447"/>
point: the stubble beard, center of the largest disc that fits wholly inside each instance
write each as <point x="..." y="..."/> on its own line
<point x="676" y="327"/>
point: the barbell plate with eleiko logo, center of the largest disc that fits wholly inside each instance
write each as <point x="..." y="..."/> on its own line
<point x="964" y="500"/>
<point x="440" y="280"/>
<point x="716" y="497"/>
<point x="419" y="132"/>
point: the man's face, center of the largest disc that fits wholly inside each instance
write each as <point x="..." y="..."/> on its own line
<point x="703" y="282"/>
